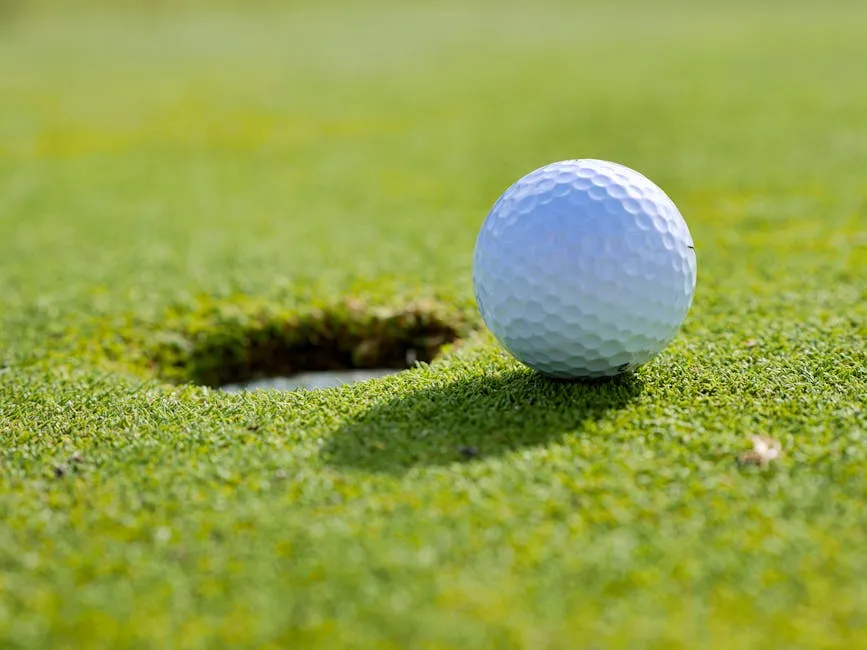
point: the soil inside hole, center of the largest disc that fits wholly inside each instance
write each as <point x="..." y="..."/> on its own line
<point x="236" y="349"/>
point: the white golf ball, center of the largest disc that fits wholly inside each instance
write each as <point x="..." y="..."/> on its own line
<point x="584" y="269"/>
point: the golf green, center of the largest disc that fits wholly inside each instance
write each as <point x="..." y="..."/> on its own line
<point x="199" y="193"/>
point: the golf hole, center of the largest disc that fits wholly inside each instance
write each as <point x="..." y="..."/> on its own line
<point x="258" y="349"/>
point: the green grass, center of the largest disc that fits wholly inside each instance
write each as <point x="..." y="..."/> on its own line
<point x="177" y="182"/>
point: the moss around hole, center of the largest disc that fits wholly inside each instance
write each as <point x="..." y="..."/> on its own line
<point x="235" y="343"/>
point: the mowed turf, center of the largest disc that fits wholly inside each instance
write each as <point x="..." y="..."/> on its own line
<point x="173" y="176"/>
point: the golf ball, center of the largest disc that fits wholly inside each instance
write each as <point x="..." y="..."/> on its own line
<point x="584" y="269"/>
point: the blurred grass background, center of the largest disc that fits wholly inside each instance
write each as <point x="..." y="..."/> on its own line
<point x="164" y="141"/>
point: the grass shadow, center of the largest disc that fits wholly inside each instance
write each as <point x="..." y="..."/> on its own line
<point x="474" y="418"/>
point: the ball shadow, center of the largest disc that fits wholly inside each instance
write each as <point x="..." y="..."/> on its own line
<point x="472" y="419"/>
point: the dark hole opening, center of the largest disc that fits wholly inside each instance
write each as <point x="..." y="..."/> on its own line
<point x="347" y="346"/>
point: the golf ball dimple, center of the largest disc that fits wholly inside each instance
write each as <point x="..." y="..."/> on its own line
<point x="584" y="269"/>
